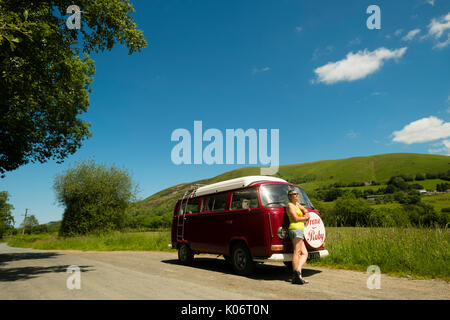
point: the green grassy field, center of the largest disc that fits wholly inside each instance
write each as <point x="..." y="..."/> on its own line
<point x="438" y="201"/>
<point x="416" y="253"/>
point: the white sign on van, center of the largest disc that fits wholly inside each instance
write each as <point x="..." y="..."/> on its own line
<point x="314" y="231"/>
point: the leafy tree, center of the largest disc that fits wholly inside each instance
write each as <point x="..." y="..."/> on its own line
<point x="444" y="175"/>
<point x="6" y="218"/>
<point x="431" y="176"/>
<point x="416" y="186"/>
<point x="42" y="228"/>
<point x="397" y="183"/>
<point x="399" y="196"/>
<point x="96" y="198"/>
<point x="351" y="211"/>
<point x="412" y="198"/>
<point x="424" y="215"/>
<point x="420" y="177"/>
<point x="46" y="73"/>
<point x="329" y="194"/>
<point x="30" y="224"/>
<point x="442" y="187"/>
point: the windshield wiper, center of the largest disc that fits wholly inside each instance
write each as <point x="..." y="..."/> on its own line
<point x="274" y="202"/>
<point x="307" y="205"/>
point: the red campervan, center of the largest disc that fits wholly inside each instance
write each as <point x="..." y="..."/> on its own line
<point x="243" y="219"/>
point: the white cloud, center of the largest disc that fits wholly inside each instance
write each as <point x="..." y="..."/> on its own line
<point x="411" y="35"/>
<point x="298" y="28"/>
<point x="256" y="70"/>
<point x="398" y="32"/>
<point x="443" y="44"/>
<point x="445" y="147"/>
<point x="356" y="66"/>
<point x="430" y="2"/>
<point x="439" y="27"/>
<point x="423" y="130"/>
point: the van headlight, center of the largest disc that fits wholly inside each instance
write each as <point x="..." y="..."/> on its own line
<point x="282" y="233"/>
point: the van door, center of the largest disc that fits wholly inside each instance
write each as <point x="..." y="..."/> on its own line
<point x="247" y="221"/>
<point x="207" y="229"/>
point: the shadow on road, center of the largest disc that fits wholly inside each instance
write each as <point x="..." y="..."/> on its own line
<point x="261" y="272"/>
<point x="28" y="272"/>
<point x="25" y="273"/>
<point x="16" y="256"/>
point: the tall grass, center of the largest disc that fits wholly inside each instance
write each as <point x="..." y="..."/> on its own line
<point x="136" y="241"/>
<point x="419" y="253"/>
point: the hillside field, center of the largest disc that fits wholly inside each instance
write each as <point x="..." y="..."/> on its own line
<point x="309" y="176"/>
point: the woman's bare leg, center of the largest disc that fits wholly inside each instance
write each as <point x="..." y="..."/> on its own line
<point x="303" y="256"/>
<point x="296" y="253"/>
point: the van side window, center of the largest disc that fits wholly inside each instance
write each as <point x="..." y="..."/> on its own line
<point x="244" y="199"/>
<point x="192" y="205"/>
<point x="215" y="202"/>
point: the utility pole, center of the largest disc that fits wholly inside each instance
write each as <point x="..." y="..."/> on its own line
<point x="24" y="221"/>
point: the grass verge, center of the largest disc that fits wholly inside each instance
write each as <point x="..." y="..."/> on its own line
<point x="405" y="252"/>
<point x="115" y="241"/>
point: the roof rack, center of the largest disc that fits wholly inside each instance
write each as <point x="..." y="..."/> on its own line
<point x="234" y="184"/>
<point x="189" y="193"/>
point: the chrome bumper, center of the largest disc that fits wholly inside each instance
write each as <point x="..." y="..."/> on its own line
<point x="282" y="257"/>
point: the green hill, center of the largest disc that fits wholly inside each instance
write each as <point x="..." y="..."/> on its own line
<point x="311" y="175"/>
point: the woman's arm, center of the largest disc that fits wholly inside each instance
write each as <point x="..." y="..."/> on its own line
<point x="305" y="212"/>
<point x="291" y="211"/>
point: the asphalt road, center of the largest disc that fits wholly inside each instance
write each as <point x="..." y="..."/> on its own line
<point x="38" y="274"/>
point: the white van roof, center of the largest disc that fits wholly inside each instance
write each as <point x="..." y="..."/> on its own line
<point x="234" y="184"/>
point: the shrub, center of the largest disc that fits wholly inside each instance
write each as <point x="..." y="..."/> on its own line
<point x="431" y="176"/>
<point x="6" y="217"/>
<point x="95" y="197"/>
<point x="420" y="177"/>
<point x="442" y="187"/>
<point x="351" y="211"/>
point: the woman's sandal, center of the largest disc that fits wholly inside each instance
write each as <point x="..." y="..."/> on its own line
<point x="298" y="279"/>
<point x="303" y="281"/>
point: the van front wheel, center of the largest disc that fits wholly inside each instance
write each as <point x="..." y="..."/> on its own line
<point x="185" y="254"/>
<point x="242" y="260"/>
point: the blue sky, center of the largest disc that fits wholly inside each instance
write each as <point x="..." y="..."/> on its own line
<point x="311" y="69"/>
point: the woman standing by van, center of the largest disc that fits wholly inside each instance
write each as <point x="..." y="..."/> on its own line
<point x="297" y="215"/>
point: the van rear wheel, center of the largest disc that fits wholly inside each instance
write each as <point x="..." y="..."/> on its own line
<point x="185" y="254"/>
<point x="241" y="260"/>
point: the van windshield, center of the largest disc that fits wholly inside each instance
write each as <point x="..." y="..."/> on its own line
<point x="276" y="195"/>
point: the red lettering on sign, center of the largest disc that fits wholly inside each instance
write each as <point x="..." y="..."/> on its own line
<point x="313" y="222"/>
<point x="315" y="236"/>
